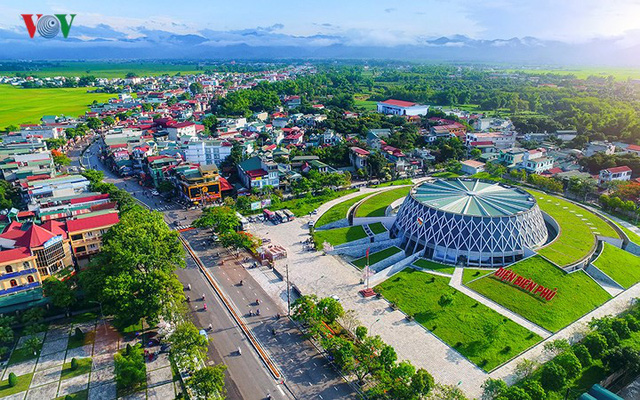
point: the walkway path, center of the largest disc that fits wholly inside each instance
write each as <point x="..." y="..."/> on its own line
<point x="613" y="290"/>
<point x="456" y="283"/>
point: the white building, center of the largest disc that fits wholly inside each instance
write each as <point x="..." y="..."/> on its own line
<point x="501" y="140"/>
<point x="615" y="174"/>
<point x="399" y="107"/>
<point x="181" y="129"/>
<point x="471" y="167"/>
<point x="207" y="152"/>
<point x="600" y="147"/>
<point x="43" y="131"/>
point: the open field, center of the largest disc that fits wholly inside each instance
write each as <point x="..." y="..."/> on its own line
<point x="338" y="236"/>
<point x="578" y="229"/>
<point x="338" y="211"/>
<point x="470" y="274"/>
<point x="375" y="206"/>
<point x="621" y="266"/>
<point x="620" y="74"/>
<point x="433" y="266"/>
<point x="377" y="228"/>
<point x="22" y="106"/>
<point x="482" y="335"/>
<point x="376" y="257"/>
<point x="110" y="69"/>
<point x="577" y="293"/>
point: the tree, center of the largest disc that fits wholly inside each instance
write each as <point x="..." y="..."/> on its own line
<point x="619" y="358"/>
<point x="596" y="344"/>
<point x="342" y="351"/>
<point x="421" y="383"/>
<point x="94" y="123"/>
<point x="59" y="158"/>
<point x="208" y="382"/>
<point x="330" y="309"/>
<point x="492" y="388"/>
<point x="129" y="368"/>
<point x="525" y="368"/>
<point x="220" y="219"/>
<point x="553" y="377"/>
<point x="305" y="309"/>
<point x="108" y="121"/>
<point x="166" y="187"/>
<point x="13" y="379"/>
<point x="94" y="176"/>
<point x="361" y="332"/>
<point x="188" y="346"/>
<point x="196" y="88"/>
<point x="11" y="128"/>
<point x="58" y="292"/>
<point x="515" y="393"/>
<point x="445" y="300"/>
<point x="556" y="347"/>
<point x="367" y="352"/>
<point x="570" y="363"/>
<point x="534" y="389"/>
<point x="74" y="364"/>
<point x="133" y="275"/>
<point x="475" y="153"/>
<point x="583" y="355"/>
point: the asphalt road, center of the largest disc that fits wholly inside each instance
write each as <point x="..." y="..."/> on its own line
<point x="307" y="373"/>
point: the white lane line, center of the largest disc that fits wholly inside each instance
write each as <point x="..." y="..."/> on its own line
<point x="280" y="389"/>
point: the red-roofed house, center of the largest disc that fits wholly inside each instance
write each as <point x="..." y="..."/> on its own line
<point x="633" y="149"/>
<point x="358" y="157"/>
<point x="86" y="233"/>
<point x="400" y="107"/>
<point x="179" y="129"/>
<point x="614" y="174"/>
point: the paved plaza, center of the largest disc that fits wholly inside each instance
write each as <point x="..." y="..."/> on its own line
<point x="327" y="275"/>
<point x="99" y="383"/>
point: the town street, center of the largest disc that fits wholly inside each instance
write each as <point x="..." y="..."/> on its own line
<point x="306" y="373"/>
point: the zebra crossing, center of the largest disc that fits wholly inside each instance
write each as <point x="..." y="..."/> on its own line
<point x="181" y="227"/>
<point x="163" y="208"/>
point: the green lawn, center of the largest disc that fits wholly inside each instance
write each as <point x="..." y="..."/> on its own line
<point x="445" y="174"/>
<point x="81" y="395"/>
<point x="23" y="384"/>
<point x="621" y="266"/>
<point x="338" y="236"/>
<point x="577" y="293"/>
<point x="377" y="228"/>
<point x="87" y="338"/>
<point x="21" y="354"/>
<point x="84" y="367"/>
<point x="397" y="182"/>
<point x="375" y="206"/>
<point x="634" y="237"/>
<point x="482" y="335"/>
<point x="577" y="238"/>
<point x="305" y="205"/>
<point x="376" y="257"/>
<point x="434" y="266"/>
<point x="21" y="106"/>
<point x="338" y="211"/>
<point x="470" y="274"/>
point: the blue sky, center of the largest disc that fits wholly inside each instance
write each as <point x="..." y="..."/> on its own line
<point x="352" y="22"/>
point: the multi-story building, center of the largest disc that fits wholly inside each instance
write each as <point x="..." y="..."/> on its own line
<point x="256" y="172"/>
<point x="199" y="183"/>
<point x="86" y="234"/>
<point x="614" y="174"/>
<point x="18" y="274"/>
<point x="536" y="161"/>
<point x="399" y="107"/>
<point x="599" y="147"/>
<point x="207" y="152"/>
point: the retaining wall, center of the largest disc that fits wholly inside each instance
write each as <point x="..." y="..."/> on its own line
<point x="597" y="274"/>
<point x="359" y="249"/>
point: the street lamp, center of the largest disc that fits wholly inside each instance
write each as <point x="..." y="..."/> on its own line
<point x="371" y="326"/>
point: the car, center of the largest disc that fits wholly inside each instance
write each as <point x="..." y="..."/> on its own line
<point x="204" y="333"/>
<point x="155" y="193"/>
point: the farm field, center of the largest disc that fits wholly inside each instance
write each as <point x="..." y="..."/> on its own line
<point x="433" y="266"/>
<point x="110" y="69"/>
<point x="578" y="229"/>
<point x="621" y="266"/>
<point x="338" y="211"/>
<point x="23" y="106"/>
<point x="620" y="74"/>
<point x="375" y="206"/>
<point x="376" y="257"/>
<point x="577" y="294"/>
<point x="482" y="335"/>
<point x="338" y="236"/>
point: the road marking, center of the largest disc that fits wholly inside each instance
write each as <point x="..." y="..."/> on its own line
<point x="280" y="389"/>
<point x="320" y="396"/>
<point x="335" y="388"/>
<point x="309" y="383"/>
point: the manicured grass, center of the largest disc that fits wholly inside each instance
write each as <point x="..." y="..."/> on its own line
<point x="377" y="228"/>
<point x="305" y="205"/>
<point x="470" y="274"/>
<point x="577" y="237"/>
<point x="84" y="367"/>
<point x="81" y="395"/>
<point x="375" y="206"/>
<point x="137" y="327"/>
<point x="376" y="257"/>
<point x="397" y="182"/>
<point x="21" y="354"/>
<point x="338" y="236"/>
<point x="577" y="293"/>
<point x="434" y="266"/>
<point x="445" y="174"/>
<point x="634" y="237"/>
<point x="482" y="335"/>
<point x="23" y="384"/>
<point x="621" y="266"/>
<point x="338" y="211"/>
<point x="87" y="338"/>
<point x="21" y="106"/>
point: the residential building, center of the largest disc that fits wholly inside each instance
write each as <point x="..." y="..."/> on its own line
<point x="622" y="173"/>
<point x="399" y="107"/>
<point x="19" y="278"/>
<point x="471" y="167"/>
<point x="86" y="234"/>
<point x="180" y="129"/>
<point x="500" y="140"/>
<point x="512" y="157"/>
<point x="207" y="152"/>
<point x="600" y="147"/>
<point x="257" y="172"/>
<point x="42" y="131"/>
<point x="358" y="157"/>
<point x="633" y="149"/>
<point x="536" y="161"/>
<point x="376" y="137"/>
<point x="199" y="183"/>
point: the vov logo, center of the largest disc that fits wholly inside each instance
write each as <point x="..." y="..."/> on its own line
<point x="48" y="26"/>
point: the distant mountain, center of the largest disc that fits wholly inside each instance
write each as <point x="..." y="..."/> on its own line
<point x="103" y="42"/>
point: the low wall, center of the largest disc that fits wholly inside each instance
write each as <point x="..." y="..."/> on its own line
<point x="612" y="241"/>
<point x="343" y="223"/>
<point x="358" y="250"/>
<point x="381" y="237"/>
<point x="386" y="221"/>
<point x="392" y="270"/>
<point x="633" y="248"/>
<point x="387" y="262"/>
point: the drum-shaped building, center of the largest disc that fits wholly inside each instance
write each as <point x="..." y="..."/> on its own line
<point x="469" y="222"/>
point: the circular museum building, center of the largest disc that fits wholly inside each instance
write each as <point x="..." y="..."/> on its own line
<point x="469" y="221"/>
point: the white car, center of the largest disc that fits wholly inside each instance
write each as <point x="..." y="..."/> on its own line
<point x="155" y="193"/>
